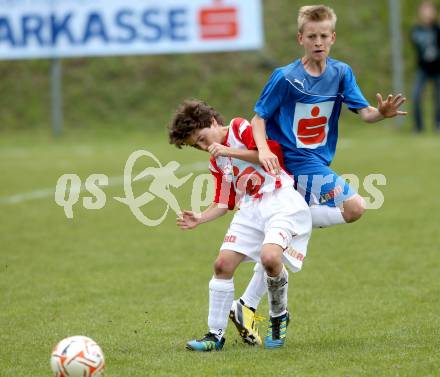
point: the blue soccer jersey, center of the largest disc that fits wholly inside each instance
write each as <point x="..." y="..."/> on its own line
<point x="302" y="111"/>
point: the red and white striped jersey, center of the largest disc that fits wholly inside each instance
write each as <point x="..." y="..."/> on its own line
<point x="238" y="181"/>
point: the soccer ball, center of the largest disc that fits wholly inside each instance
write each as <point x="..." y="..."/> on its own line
<point x="77" y="356"/>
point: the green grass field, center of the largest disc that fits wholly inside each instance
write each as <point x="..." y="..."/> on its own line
<point x="365" y="304"/>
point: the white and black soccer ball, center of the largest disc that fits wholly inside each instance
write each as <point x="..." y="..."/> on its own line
<point x="77" y="356"/>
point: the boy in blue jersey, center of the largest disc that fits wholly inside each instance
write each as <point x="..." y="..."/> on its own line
<point x="299" y="108"/>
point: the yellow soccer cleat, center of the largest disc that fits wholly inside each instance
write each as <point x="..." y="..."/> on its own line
<point x="245" y="320"/>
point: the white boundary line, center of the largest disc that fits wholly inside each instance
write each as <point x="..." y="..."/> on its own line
<point x="113" y="181"/>
<point x="117" y="181"/>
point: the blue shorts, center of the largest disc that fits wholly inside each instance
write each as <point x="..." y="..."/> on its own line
<point x="323" y="187"/>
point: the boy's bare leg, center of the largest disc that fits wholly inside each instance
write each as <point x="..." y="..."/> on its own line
<point x="324" y="216"/>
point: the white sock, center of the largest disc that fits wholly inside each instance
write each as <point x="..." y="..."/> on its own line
<point x="221" y="295"/>
<point x="256" y="288"/>
<point x="277" y="292"/>
<point x="324" y="216"/>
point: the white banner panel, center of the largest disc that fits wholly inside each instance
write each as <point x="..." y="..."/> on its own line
<point x="63" y="28"/>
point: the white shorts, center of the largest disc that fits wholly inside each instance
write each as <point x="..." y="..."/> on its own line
<point x="282" y="218"/>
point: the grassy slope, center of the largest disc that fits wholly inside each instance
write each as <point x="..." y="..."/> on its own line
<point x="140" y="92"/>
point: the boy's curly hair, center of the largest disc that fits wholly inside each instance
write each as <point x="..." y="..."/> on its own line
<point x="190" y="116"/>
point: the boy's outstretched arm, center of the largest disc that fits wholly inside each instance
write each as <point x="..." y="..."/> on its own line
<point x="190" y="220"/>
<point x="385" y="109"/>
<point x="267" y="158"/>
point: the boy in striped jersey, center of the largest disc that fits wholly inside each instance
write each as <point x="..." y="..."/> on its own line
<point x="272" y="227"/>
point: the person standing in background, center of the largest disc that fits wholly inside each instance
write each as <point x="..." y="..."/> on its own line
<point x="425" y="36"/>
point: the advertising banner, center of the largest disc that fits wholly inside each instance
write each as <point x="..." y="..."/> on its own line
<point x="68" y="28"/>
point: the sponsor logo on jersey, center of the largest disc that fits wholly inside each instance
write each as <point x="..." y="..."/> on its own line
<point x="324" y="198"/>
<point x="310" y="123"/>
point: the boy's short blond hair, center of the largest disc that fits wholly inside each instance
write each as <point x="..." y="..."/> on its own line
<point x="315" y="13"/>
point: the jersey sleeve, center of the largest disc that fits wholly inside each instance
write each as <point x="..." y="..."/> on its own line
<point x="272" y="95"/>
<point x="224" y="192"/>
<point x="242" y="130"/>
<point x="353" y="96"/>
